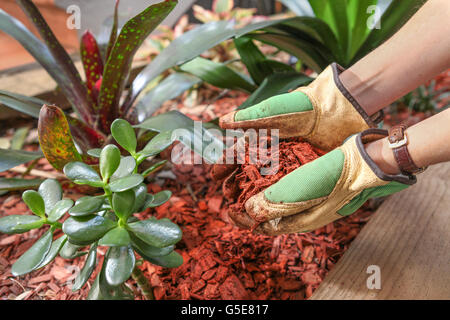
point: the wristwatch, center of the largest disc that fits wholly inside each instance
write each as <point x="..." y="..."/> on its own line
<point x="398" y="142"/>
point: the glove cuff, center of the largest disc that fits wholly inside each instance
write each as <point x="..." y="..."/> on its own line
<point x="370" y="135"/>
<point x="372" y="121"/>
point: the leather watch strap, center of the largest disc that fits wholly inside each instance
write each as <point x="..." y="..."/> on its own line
<point x="398" y="142"/>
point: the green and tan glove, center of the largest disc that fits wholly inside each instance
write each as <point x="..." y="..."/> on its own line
<point x="324" y="113"/>
<point x="326" y="189"/>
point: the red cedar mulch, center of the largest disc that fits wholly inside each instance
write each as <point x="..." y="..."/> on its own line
<point x="221" y="261"/>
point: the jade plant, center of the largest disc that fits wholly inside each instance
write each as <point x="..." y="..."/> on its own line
<point x="106" y="219"/>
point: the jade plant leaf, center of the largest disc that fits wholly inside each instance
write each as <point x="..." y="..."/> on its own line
<point x="51" y="192"/>
<point x="126" y="167"/>
<point x="146" y="250"/>
<point x="88" y="268"/>
<point x="82" y="173"/>
<point x="140" y="195"/>
<point x="30" y="226"/>
<point x="126" y="183"/>
<point x="123" y="203"/>
<point x="95" y="152"/>
<point x="55" y="138"/>
<point x="10" y="224"/>
<point x="86" y="206"/>
<point x="158" y="233"/>
<point x="32" y="258"/>
<point x="87" y="229"/>
<point x="119" y="264"/>
<point x="172" y="260"/>
<point x="54" y="250"/>
<point x="71" y="251"/>
<point x="35" y="202"/>
<point x="60" y="208"/>
<point x="160" y="198"/>
<point x="109" y="161"/>
<point x="118" y="65"/>
<point x="124" y="134"/>
<point x="155" y="167"/>
<point x="117" y="237"/>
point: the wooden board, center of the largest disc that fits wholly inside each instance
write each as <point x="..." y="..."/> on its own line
<point x="408" y="238"/>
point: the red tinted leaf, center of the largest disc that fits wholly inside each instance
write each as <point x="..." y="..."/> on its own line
<point x="55" y="137"/>
<point x="119" y="62"/>
<point x="70" y="80"/>
<point x="86" y="136"/>
<point x="114" y="30"/>
<point x="92" y="62"/>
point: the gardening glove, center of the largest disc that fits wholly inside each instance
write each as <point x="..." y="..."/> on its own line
<point x="326" y="189"/>
<point x="324" y="113"/>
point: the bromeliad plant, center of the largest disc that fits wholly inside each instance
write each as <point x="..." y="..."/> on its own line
<point x="103" y="220"/>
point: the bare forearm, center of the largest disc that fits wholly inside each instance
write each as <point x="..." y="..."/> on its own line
<point x="428" y="144"/>
<point x="416" y="53"/>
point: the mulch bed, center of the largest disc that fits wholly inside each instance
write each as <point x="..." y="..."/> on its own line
<point x="221" y="260"/>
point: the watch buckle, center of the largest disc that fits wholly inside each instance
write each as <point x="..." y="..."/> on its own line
<point x="398" y="144"/>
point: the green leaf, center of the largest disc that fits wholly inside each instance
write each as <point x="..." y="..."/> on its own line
<point x="86" y="206"/>
<point x="42" y="54"/>
<point x="70" y="251"/>
<point x="55" y="137"/>
<point x="357" y="14"/>
<point x="19" y="137"/>
<point x="172" y="260"/>
<point x="118" y="65"/>
<point x="119" y="264"/>
<point x="10" y="224"/>
<point x="28" y="105"/>
<point x="126" y="167"/>
<point x="218" y="74"/>
<point x="117" y="237"/>
<point x="123" y="204"/>
<point x="160" y="198"/>
<point x="168" y="89"/>
<point x="392" y="20"/>
<point x="187" y="132"/>
<point x="15" y="184"/>
<point x="88" y="268"/>
<point x="12" y="158"/>
<point x="35" y="202"/>
<point x="154" y="168"/>
<point x="146" y="250"/>
<point x="140" y="195"/>
<point x="109" y="161"/>
<point x="51" y="191"/>
<point x="60" y="208"/>
<point x="30" y="226"/>
<point x="32" y="258"/>
<point x="155" y="146"/>
<point x="82" y="173"/>
<point x="101" y="290"/>
<point x="87" y="229"/>
<point x="275" y="84"/>
<point x="126" y="183"/>
<point x="158" y="233"/>
<point x="124" y="134"/>
<point x="114" y="31"/>
<point x="251" y="56"/>
<point x="95" y="152"/>
<point x="54" y="250"/>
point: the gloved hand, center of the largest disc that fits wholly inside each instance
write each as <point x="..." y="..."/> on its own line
<point x="326" y="189"/>
<point x="324" y="113"/>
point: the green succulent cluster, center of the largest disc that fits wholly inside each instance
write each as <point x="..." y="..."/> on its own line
<point x="102" y="220"/>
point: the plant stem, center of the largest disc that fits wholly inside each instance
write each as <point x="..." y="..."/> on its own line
<point x="143" y="284"/>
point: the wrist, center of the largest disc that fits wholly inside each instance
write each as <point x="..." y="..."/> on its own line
<point x="383" y="156"/>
